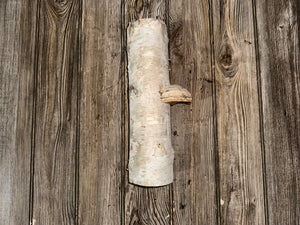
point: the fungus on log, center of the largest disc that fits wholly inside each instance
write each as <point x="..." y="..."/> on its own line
<point x="151" y="154"/>
<point x="175" y="93"/>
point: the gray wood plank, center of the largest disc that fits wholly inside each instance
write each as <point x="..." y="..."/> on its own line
<point x="101" y="137"/>
<point x="192" y="125"/>
<point x="151" y="206"/>
<point x="278" y="44"/>
<point x="56" y="113"/>
<point x="17" y="41"/>
<point x="240" y="161"/>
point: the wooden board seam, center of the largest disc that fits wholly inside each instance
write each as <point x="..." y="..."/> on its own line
<point x="33" y="128"/>
<point x="261" y="119"/>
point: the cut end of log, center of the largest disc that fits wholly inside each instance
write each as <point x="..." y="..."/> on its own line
<point x="175" y="94"/>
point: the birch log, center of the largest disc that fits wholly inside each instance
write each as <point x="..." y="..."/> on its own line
<point x="151" y="153"/>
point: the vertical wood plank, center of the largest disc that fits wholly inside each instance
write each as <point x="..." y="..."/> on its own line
<point x="17" y="41"/>
<point x="56" y="113"/>
<point x="241" y="175"/>
<point x="278" y="44"/>
<point x="149" y="206"/>
<point x="192" y="126"/>
<point x="100" y="194"/>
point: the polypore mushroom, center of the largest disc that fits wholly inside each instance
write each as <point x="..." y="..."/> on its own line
<point x="174" y="94"/>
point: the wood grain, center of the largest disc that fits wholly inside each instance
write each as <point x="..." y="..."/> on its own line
<point x="100" y="173"/>
<point x="241" y="177"/>
<point x="137" y="9"/>
<point x="149" y="206"/>
<point x="17" y="41"/>
<point x="278" y="44"/>
<point x="64" y="113"/>
<point x="56" y="113"/>
<point x="192" y="125"/>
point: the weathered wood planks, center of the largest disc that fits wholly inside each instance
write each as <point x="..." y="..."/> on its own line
<point x="192" y="126"/>
<point x="146" y="205"/>
<point x="239" y="146"/>
<point x="64" y="113"/>
<point x="17" y="46"/>
<point x="57" y="74"/>
<point x="100" y="114"/>
<point x="278" y="59"/>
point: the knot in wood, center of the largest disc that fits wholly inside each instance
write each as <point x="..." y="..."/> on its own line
<point x="227" y="60"/>
<point x="60" y="8"/>
<point x="138" y="6"/>
<point x="133" y="90"/>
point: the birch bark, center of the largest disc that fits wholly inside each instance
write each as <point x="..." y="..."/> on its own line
<point x="151" y="153"/>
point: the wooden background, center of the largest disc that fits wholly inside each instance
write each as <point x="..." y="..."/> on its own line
<point x="64" y="113"/>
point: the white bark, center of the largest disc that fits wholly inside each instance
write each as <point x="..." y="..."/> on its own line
<point x="151" y="152"/>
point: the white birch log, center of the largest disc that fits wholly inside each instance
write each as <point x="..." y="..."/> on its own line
<point x="151" y="153"/>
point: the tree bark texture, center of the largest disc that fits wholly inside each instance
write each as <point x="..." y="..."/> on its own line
<point x="151" y="153"/>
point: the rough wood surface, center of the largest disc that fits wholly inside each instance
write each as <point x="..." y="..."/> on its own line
<point x="64" y="113"/>
<point x="192" y="126"/>
<point x="100" y="114"/>
<point x="240" y="162"/>
<point x="17" y="41"/>
<point x="56" y="113"/>
<point x="278" y="57"/>
<point x="152" y="205"/>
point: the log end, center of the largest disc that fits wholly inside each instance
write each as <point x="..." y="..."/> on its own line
<point x="175" y="94"/>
